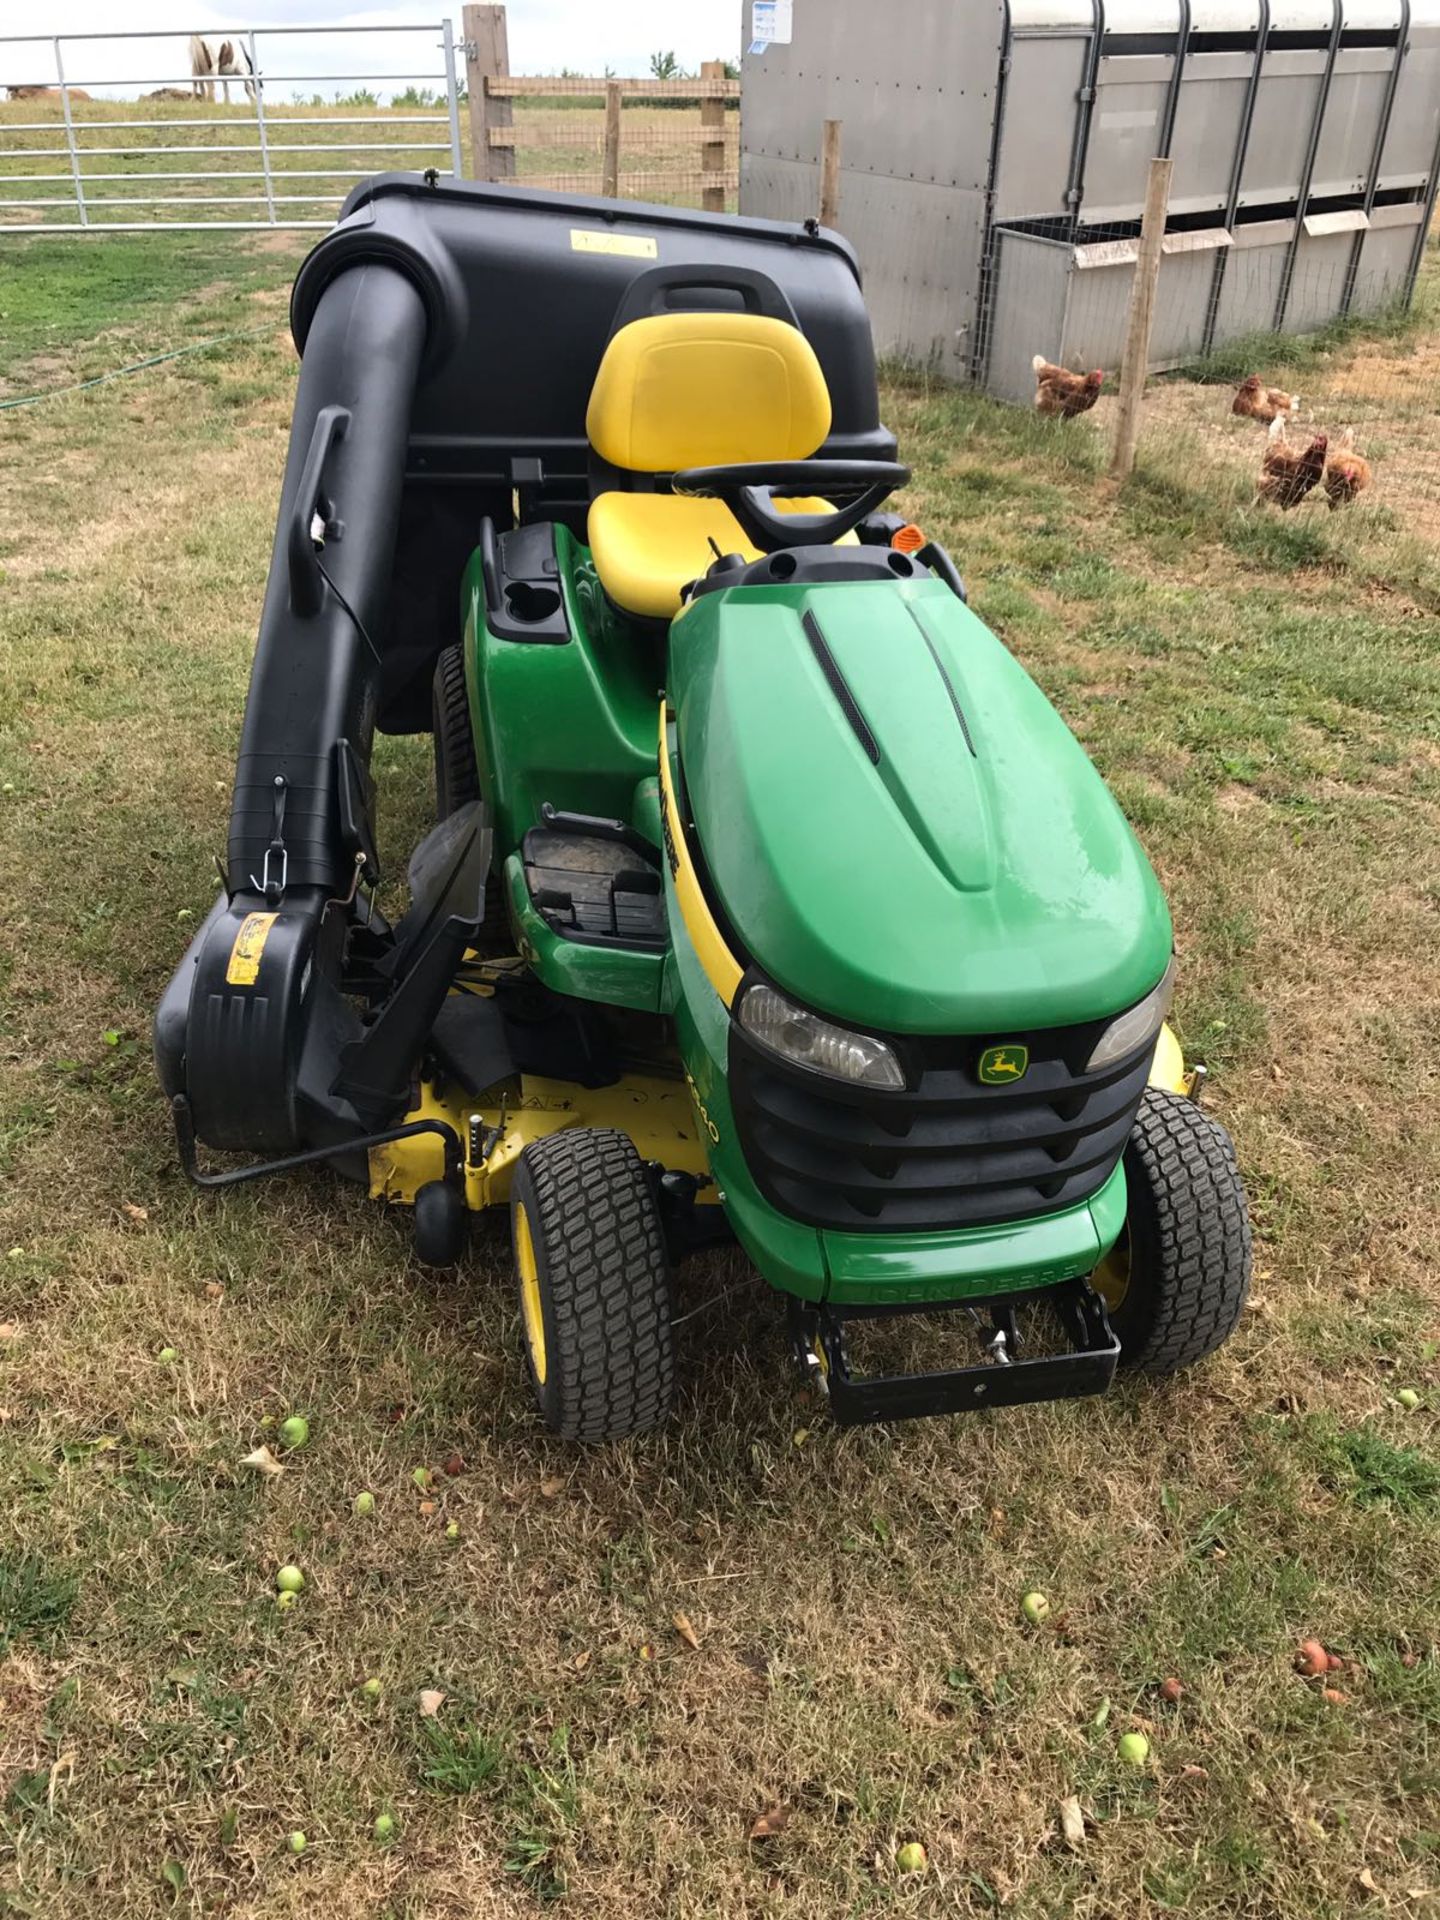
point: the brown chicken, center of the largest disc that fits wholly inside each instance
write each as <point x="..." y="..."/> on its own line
<point x="1060" y="392"/>
<point x="1346" y="472"/>
<point x="1285" y="475"/>
<point x="1254" y="402"/>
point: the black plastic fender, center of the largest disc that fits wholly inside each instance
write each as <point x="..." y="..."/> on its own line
<point x="246" y="1025"/>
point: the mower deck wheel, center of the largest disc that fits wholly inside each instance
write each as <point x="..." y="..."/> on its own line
<point x="441" y="1225"/>
<point x="1176" y="1281"/>
<point x="594" y="1285"/>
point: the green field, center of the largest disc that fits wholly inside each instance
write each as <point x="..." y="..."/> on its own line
<point x="1264" y="696"/>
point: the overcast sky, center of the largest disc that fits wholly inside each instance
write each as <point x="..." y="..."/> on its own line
<point x="545" y="35"/>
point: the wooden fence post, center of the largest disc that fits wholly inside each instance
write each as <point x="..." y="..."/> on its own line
<point x="1136" y="363"/>
<point x="712" y="148"/>
<point x="830" y="175"/>
<point x="487" y="57"/>
<point x="610" y="159"/>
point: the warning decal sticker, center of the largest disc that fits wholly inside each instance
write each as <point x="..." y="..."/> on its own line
<point x="244" y="967"/>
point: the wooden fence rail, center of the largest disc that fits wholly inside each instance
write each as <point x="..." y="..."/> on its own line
<point x="675" y="140"/>
<point x="514" y="86"/>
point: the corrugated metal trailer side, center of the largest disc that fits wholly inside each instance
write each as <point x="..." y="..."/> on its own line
<point x="995" y="159"/>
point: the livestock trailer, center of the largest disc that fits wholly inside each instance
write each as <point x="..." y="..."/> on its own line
<point x="995" y="159"/>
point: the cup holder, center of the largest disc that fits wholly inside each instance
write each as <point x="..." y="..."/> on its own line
<point x="529" y="604"/>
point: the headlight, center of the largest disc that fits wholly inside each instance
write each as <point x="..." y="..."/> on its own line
<point x="808" y="1041"/>
<point x="1129" y="1031"/>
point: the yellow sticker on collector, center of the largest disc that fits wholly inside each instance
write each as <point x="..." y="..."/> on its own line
<point x="244" y="967"/>
<point x="632" y="246"/>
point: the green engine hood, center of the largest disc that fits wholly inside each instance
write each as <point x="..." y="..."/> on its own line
<point x="899" y="828"/>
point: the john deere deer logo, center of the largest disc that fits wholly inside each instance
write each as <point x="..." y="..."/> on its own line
<point x="998" y="1065"/>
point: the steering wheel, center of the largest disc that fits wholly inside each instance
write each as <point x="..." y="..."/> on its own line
<point x="749" y="488"/>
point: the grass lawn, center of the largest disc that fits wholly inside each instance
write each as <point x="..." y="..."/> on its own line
<point x="1264" y="696"/>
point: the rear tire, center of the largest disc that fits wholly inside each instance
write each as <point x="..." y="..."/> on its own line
<point x="457" y="777"/>
<point x="1181" y="1269"/>
<point x="457" y="774"/>
<point x="594" y="1286"/>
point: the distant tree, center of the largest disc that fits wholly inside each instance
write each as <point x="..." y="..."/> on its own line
<point x="665" y="66"/>
<point x="732" y="69"/>
<point x="416" y="97"/>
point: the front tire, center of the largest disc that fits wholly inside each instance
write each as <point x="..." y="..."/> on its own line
<point x="1175" y="1283"/>
<point x="594" y="1286"/>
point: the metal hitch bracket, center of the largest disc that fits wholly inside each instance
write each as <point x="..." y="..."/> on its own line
<point x="1006" y="1378"/>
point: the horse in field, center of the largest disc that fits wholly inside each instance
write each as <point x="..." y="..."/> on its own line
<point x="45" y="93"/>
<point x="226" y="59"/>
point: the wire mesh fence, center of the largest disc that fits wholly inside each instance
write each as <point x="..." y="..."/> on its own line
<point x="672" y="141"/>
<point x="1324" y="324"/>
<point x="1365" y="381"/>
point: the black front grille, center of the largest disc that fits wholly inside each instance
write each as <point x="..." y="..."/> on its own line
<point x="949" y="1151"/>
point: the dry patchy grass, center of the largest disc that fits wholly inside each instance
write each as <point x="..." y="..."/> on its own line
<point x="1270" y="716"/>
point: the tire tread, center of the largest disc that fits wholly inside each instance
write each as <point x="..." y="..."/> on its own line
<point x="1188" y="1210"/>
<point x="457" y="776"/>
<point x="606" y="1276"/>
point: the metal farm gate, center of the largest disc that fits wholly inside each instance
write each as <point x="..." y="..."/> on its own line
<point x="274" y="154"/>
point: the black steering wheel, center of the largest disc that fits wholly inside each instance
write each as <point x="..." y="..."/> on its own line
<point x="749" y="488"/>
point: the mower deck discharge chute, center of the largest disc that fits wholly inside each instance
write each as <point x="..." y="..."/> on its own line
<point x="767" y="895"/>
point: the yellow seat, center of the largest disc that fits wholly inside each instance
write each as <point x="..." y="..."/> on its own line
<point x="680" y="390"/>
<point x="647" y="546"/>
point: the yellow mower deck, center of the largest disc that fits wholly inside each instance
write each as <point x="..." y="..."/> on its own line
<point x="655" y="1113"/>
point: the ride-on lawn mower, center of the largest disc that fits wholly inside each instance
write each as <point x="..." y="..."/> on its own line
<point x="767" y="898"/>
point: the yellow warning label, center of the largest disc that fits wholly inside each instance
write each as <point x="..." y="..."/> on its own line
<point x="244" y="967"/>
<point x="632" y="246"/>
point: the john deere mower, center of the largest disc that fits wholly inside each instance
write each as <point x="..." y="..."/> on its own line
<point x="767" y="898"/>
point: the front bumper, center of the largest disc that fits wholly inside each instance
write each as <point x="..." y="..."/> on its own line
<point x="917" y="1269"/>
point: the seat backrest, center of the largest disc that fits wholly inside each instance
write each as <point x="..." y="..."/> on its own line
<point x="707" y="389"/>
